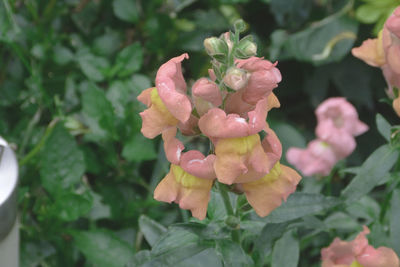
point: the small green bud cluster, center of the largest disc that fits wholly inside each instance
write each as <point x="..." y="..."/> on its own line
<point x="225" y="49"/>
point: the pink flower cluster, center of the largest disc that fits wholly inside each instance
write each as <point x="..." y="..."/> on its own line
<point x="337" y="126"/>
<point x="230" y="111"/>
<point x="357" y="253"/>
<point x="384" y="52"/>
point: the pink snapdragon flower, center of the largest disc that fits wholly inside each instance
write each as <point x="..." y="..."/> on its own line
<point x="264" y="77"/>
<point x="317" y="159"/>
<point x="391" y="47"/>
<point x="337" y="125"/>
<point x="190" y="178"/>
<point x="167" y="103"/>
<point x="267" y="193"/>
<point x="358" y="253"/>
<point x="246" y="159"/>
<point x="384" y="52"/>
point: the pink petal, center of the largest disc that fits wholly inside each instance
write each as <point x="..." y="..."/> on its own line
<point x="215" y="123"/>
<point x="190" y="192"/>
<point x="318" y="158"/>
<point x="267" y="193"/>
<point x="171" y="88"/>
<point x="190" y="126"/>
<point x="208" y="91"/>
<point x="370" y="52"/>
<point x="380" y="257"/>
<point x="172" y="146"/>
<point x="393" y="22"/>
<point x="195" y="163"/>
<point x="340" y="114"/>
<point x="145" y="96"/>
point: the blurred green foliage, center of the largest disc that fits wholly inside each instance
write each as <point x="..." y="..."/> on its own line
<point x="70" y="72"/>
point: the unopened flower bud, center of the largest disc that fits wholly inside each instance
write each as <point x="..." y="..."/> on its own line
<point x="240" y="25"/>
<point x="246" y="48"/>
<point x="228" y="40"/>
<point x="215" y="46"/>
<point x="236" y="78"/>
<point x="233" y="222"/>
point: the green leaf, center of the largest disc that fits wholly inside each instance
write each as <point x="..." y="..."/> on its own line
<point x="119" y="96"/>
<point x="368" y="13"/>
<point x="98" y="112"/>
<point x="384" y="127"/>
<point x="365" y="208"/>
<point x="126" y="10"/>
<point x="61" y="162"/>
<point x="99" y="210"/>
<point x="33" y="253"/>
<point x="141" y="258"/>
<point x="139" y="148"/>
<point x="324" y="41"/>
<point x="103" y="248"/>
<point x="232" y="254"/>
<point x="216" y="209"/>
<point x="71" y="206"/>
<point x="299" y="205"/>
<point x="341" y="220"/>
<point x="395" y="221"/>
<point x="128" y="61"/>
<point x="62" y="55"/>
<point x="138" y="83"/>
<point x="286" y="251"/>
<point x="269" y="234"/>
<point x="151" y="229"/>
<point x="289" y="136"/>
<point x="108" y="43"/>
<point x="211" y="231"/>
<point x="290" y="13"/>
<point x="94" y="67"/>
<point x="372" y="171"/>
<point x="176" y="246"/>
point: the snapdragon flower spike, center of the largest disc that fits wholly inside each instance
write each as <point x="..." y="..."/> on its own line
<point x="189" y="183"/>
<point x="317" y="159"/>
<point x="357" y="253"/>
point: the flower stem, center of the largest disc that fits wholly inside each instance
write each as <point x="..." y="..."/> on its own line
<point x="231" y="214"/>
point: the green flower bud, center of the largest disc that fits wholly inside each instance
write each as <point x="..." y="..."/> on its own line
<point x="240" y="25"/>
<point x="233" y="222"/>
<point x="215" y="46"/>
<point x="246" y="48"/>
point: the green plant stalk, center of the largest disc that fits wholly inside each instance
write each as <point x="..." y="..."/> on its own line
<point x="39" y="145"/>
<point x="227" y="203"/>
